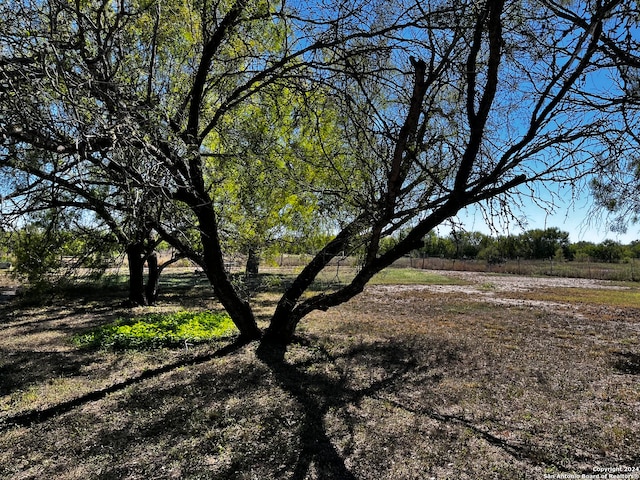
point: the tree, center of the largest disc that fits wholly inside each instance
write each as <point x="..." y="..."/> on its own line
<point x="608" y="251"/>
<point x="47" y="145"/>
<point x="634" y="249"/>
<point x="543" y="244"/>
<point x="616" y="186"/>
<point x="583" y="251"/>
<point x="616" y="192"/>
<point x="471" y="160"/>
<point x="441" y="105"/>
<point x="511" y="246"/>
<point x="52" y="246"/>
<point x="469" y="244"/>
<point x="83" y="202"/>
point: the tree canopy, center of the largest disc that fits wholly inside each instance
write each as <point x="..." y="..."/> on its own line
<point x="208" y="121"/>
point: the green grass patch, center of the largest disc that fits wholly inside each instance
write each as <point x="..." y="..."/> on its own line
<point x="410" y="276"/>
<point x="158" y="330"/>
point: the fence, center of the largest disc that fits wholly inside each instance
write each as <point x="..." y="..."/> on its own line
<point x="628" y="271"/>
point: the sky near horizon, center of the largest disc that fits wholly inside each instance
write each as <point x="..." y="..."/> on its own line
<point x="576" y="217"/>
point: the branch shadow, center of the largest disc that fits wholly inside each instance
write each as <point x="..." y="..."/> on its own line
<point x="522" y="453"/>
<point x="627" y="363"/>
<point x="9" y="317"/>
<point x="20" y="369"/>
<point x="293" y="413"/>
<point x="30" y="418"/>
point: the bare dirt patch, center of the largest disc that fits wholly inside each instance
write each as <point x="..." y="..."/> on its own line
<point x="515" y="290"/>
<point x="404" y="382"/>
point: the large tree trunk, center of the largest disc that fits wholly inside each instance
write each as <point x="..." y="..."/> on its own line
<point x="282" y="328"/>
<point x="135" y="257"/>
<point x="284" y="322"/>
<point x="153" y="278"/>
<point x="238" y="309"/>
<point x="212" y="259"/>
<point x="253" y="262"/>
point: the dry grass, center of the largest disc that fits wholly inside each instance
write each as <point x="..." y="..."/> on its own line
<point x="401" y="383"/>
<point x="623" y="297"/>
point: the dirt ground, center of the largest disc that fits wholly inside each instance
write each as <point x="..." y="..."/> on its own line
<point x="493" y="288"/>
<point x="492" y="377"/>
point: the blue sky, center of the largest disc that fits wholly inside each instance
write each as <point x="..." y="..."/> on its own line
<point x="575" y="217"/>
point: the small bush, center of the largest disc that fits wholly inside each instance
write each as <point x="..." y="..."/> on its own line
<point x="158" y="330"/>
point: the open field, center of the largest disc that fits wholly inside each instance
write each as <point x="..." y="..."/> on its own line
<point x="622" y="271"/>
<point x="448" y="375"/>
<point x="628" y="270"/>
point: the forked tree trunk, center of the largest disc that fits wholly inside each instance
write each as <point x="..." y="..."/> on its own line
<point x="287" y="315"/>
<point x="285" y="320"/>
<point x="282" y="328"/>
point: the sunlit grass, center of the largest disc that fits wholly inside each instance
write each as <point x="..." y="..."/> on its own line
<point x="410" y="276"/>
<point x="389" y="276"/>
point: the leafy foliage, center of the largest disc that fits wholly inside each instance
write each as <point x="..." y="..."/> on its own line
<point x="52" y="247"/>
<point x="265" y="174"/>
<point x="158" y="330"/>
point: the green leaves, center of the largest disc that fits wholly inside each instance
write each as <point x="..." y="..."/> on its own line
<point x="268" y="165"/>
<point x="158" y="330"/>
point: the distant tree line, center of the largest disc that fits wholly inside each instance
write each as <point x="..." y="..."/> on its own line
<point x="536" y="244"/>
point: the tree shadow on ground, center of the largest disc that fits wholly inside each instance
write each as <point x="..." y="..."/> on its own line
<point x="42" y="415"/>
<point x="627" y="362"/>
<point x="55" y="319"/>
<point x="320" y="392"/>
<point x="297" y="413"/>
<point x="19" y="370"/>
<point x="246" y="419"/>
<point x="35" y="347"/>
<point x="397" y="368"/>
<point x="224" y="419"/>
